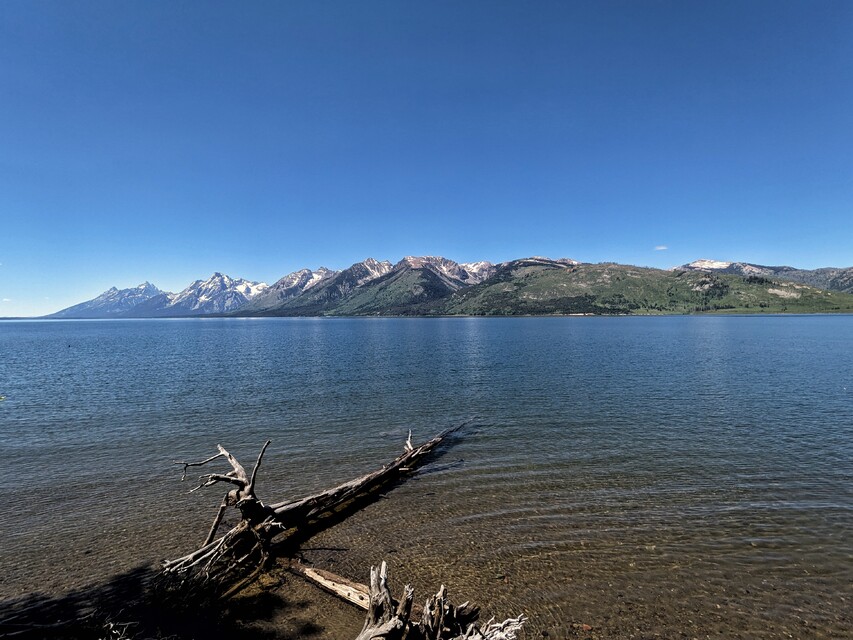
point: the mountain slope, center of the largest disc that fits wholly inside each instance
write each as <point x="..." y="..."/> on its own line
<point x="111" y="303"/>
<point x="412" y="281"/>
<point x="831" y="278"/>
<point x="286" y="288"/>
<point x="325" y="295"/>
<point x="539" y="286"/>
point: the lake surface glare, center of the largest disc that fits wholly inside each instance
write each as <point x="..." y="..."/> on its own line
<point x="678" y="476"/>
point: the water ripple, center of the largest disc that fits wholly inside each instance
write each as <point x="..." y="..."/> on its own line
<point x="673" y="474"/>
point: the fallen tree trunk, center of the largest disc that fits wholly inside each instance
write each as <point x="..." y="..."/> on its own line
<point x="223" y="565"/>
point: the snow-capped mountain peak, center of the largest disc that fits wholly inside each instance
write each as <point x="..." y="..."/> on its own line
<point x="220" y="293"/>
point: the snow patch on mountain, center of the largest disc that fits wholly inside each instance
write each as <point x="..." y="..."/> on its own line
<point x="370" y="269"/>
<point x="462" y="274"/>
<point x="739" y="268"/>
<point x="704" y="263"/>
<point x="316" y="277"/>
<point x="287" y="287"/>
<point x="302" y="279"/>
<point x="478" y="271"/>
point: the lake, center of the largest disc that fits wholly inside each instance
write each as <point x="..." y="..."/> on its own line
<point x="656" y="475"/>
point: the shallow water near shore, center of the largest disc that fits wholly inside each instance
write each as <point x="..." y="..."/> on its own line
<point x="643" y="476"/>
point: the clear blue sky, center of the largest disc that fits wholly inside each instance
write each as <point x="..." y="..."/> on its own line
<point x="166" y="140"/>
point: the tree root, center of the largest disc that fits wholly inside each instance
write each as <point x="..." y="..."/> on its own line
<point x="389" y="619"/>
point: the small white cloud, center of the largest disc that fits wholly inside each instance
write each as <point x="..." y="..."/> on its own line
<point x="7" y="300"/>
<point x="661" y="247"/>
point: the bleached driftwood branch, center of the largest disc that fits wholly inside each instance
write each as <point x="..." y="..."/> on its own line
<point x="223" y="565"/>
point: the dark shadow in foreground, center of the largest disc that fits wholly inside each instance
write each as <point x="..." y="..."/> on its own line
<point x="124" y="608"/>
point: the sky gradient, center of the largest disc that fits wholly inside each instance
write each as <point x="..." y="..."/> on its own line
<point x="164" y="141"/>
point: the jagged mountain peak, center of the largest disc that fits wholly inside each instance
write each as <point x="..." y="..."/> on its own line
<point x="368" y="269"/>
<point x="373" y="263"/>
<point x="218" y="276"/>
<point x="148" y="289"/>
<point x="467" y="273"/>
<point x="220" y="293"/>
<point x="287" y="287"/>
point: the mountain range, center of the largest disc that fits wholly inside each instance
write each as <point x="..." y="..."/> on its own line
<point x="218" y="294"/>
<point x="433" y="285"/>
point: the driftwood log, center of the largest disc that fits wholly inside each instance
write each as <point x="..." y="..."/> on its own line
<point x="225" y="564"/>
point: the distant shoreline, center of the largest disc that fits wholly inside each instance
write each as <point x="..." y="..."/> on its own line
<point x="716" y="312"/>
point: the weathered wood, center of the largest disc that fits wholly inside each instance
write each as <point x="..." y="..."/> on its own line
<point x="353" y="592"/>
<point x="310" y="507"/>
<point x="223" y="565"/>
<point x="389" y="619"/>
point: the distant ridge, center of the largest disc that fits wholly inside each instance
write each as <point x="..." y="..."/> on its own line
<point x="831" y="278"/>
<point x="434" y="285"/>
<point x="111" y="303"/>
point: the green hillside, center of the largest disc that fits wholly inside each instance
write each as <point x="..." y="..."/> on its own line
<point x="539" y="286"/>
<point x="396" y="293"/>
<point x="544" y="287"/>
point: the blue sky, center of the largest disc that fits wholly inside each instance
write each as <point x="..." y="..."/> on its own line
<point x="163" y="141"/>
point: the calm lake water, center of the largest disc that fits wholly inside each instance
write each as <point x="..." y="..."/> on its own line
<point x="673" y="475"/>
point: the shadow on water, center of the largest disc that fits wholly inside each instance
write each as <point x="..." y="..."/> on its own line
<point x="123" y="607"/>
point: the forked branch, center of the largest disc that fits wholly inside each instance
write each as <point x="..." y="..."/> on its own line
<point x="237" y="556"/>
